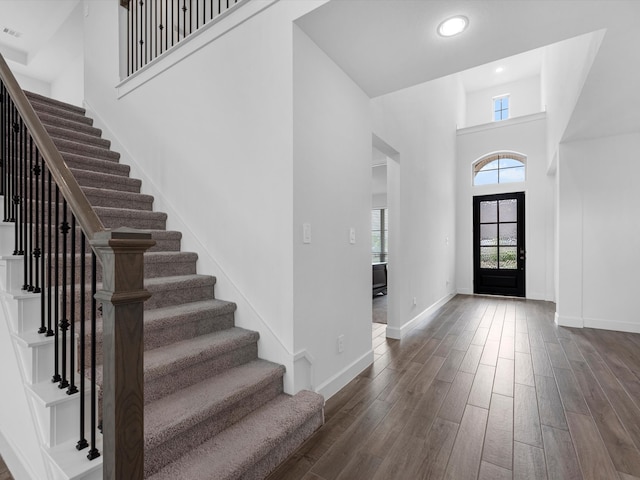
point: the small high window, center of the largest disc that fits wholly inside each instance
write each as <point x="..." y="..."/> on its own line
<point x="500" y="108"/>
<point x="499" y="168"/>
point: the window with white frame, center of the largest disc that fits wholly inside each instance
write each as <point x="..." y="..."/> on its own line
<point x="505" y="167"/>
<point x="500" y="108"/>
<point x="379" y="235"/>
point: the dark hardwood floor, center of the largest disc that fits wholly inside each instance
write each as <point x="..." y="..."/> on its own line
<point x="486" y="388"/>
<point x="5" y="474"/>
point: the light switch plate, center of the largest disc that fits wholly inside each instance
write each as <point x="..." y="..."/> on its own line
<point x="306" y="233"/>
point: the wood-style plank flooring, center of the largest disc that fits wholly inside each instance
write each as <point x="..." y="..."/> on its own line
<point x="485" y="388"/>
<point x="5" y="474"/>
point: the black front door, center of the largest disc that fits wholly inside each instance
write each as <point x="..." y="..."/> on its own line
<point x="498" y="244"/>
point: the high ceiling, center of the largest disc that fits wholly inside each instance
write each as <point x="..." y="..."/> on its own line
<point x="44" y="39"/>
<point x="388" y="45"/>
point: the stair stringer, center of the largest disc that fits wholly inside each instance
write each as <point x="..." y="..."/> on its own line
<point x="300" y="368"/>
<point x="47" y="417"/>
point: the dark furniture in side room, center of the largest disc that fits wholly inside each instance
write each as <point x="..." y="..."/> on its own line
<point x="379" y="271"/>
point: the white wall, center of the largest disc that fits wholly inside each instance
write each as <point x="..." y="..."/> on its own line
<point x="598" y="233"/>
<point x="332" y="192"/>
<point x="526" y="136"/>
<point x="19" y="442"/>
<point x="33" y="84"/>
<point x="69" y="85"/>
<point x="212" y="139"/>
<point x="565" y="67"/>
<point x="419" y="123"/>
<point x="524" y="99"/>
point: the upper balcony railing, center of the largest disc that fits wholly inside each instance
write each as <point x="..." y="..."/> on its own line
<point x="154" y="26"/>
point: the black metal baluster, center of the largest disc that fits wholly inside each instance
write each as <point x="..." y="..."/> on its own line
<point x="14" y="177"/>
<point x="29" y="252"/>
<point x="72" y="315"/>
<point x="50" y="257"/>
<point x="93" y="453"/>
<point x="56" y="292"/>
<point x="39" y="252"/>
<point x="154" y="28"/>
<point x="39" y="238"/>
<point x="82" y="443"/>
<point x="184" y="20"/>
<point x="197" y="14"/>
<point x="147" y="43"/>
<point x="64" y="322"/>
<point x="22" y="162"/>
<point x="129" y="40"/>
<point x="3" y="156"/>
<point x="134" y="39"/>
<point x="141" y="34"/>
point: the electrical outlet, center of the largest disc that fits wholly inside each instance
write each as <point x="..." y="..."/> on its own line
<point x="340" y="343"/>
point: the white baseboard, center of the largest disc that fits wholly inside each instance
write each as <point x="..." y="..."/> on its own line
<point x="628" y="327"/>
<point x="399" y="332"/>
<point x="566" y="321"/>
<point x="339" y="380"/>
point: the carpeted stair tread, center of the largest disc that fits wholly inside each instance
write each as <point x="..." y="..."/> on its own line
<point x="102" y="197"/>
<point x="126" y="217"/>
<point x="166" y="240"/>
<point x="231" y="454"/>
<point x="76" y="123"/>
<point x="53" y="114"/>
<point x="181" y="410"/>
<point x="93" y="151"/>
<point x="156" y="264"/>
<point x="36" y="97"/>
<point x="173" y="323"/>
<point x="86" y="178"/>
<point x="179" y="356"/>
<point x="80" y="162"/>
<point x="76" y="136"/>
<point x="177" y="290"/>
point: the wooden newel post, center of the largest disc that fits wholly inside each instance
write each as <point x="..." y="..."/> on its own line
<point x="122" y="295"/>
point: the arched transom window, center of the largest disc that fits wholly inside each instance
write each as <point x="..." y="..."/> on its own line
<point x="504" y="167"/>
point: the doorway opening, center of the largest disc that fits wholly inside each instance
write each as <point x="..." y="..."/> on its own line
<point x="499" y="253"/>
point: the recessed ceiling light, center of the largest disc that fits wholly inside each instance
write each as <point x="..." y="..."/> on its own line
<point x="453" y="26"/>
<point x="499" y="69"/>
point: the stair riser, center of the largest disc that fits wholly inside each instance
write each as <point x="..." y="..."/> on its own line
<point x="38" y="101"/>
<point x="159" y="387"/>
<point x="47" y="112"/>
<point x="150" y="222"/>
<point x="79" y="162"/>
<point x="261" y="469"/>
<point x="87" y="150"/>
<point x="166" y="336"/>
<point x="113" y="182"/>
<point x="176" y="296"/>
<point x="79" y="137"/>
<point x="98" y="148"/>
<point x="85" y="126"/>
<point x="179" y="296"/>
<point x="60" y="422"/>
<point x="25" y="314"/>
<point x="161" y="455"/>
<point x="161" y="337"/>
<point x="37" y="361"/>
<point x="135" y="202"/>
<point x="175" y="267"/>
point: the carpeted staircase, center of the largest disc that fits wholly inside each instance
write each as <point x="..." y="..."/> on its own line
<point x="213" y="409"/>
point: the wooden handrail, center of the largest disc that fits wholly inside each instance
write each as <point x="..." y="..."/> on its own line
<point x="122" y="296"/>
<point x="69" y="188"/>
